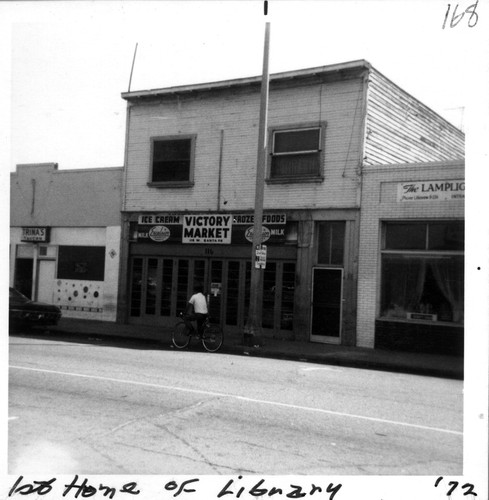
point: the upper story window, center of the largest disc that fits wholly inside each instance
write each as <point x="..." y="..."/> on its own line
<point x="172" y="160"/>
<point x="296" y="153"/>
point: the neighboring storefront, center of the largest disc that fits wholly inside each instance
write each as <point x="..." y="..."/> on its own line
<point x="65" y="238"/>
<point x="411" y="272"/>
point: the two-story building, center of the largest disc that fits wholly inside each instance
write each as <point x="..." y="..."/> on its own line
<point x="189" y="191"/>
<point x="65" y="237"/>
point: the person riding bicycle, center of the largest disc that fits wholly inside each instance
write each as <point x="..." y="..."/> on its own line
<point x="197" y="309"/>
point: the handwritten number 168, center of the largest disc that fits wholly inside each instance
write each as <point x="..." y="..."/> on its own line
<point x="456" y="18"/>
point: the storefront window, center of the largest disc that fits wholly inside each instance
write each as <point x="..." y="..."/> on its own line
<point x="136" y="286"/>
<point x="427" y="284"/>
<point x="232" y="293"/>
<point x="182" y="285"/>
<point x="269" y="285"/>
<point x="446" y="236"/>
<point x="288" y="287"/>
<point x="166" y="287"/>
<point x="81" y="263"/>
<point x="151" y="282"/>
<point x="405" y="236"/>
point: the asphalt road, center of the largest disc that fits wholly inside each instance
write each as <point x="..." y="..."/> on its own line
<point x="91" y="409"/>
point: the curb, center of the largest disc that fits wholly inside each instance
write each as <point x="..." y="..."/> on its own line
<point x="237" y="349"/>
<point x="348" y="362"/>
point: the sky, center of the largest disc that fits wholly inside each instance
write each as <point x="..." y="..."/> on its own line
<point x="69" y="62"/>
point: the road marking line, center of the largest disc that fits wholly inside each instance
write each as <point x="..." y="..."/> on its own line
<point x="242" y="398"/>
<point x="323" y="368"/>
<point x="13" y="418"/>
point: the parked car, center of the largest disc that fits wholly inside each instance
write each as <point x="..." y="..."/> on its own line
<point x="26" y="312"/>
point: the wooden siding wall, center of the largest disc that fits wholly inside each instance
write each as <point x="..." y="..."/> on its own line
<point x="400" y="129"/>
<point x="236" y="112"/>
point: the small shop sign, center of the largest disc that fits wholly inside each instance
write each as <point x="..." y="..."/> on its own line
<point x="431" y="191"/>
<point x="159" y="233"/>
<point x="216" y="289"/>
<point x="261" y="257"/>
<point x="35" y="234"/>
<point x="265" y="233"/>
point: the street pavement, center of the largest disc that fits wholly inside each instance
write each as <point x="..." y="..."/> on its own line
<point x="393" y="361"/>
<point x="92" y="407"/>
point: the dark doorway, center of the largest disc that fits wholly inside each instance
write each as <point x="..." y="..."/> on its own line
<point x="23" y="276"/>
<point x="326" y="305"/>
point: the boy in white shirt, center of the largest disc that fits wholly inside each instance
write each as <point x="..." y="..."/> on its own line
<point x="197" y="309"/>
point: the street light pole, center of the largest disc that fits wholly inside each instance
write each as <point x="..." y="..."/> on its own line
<point x="253" y="329"/>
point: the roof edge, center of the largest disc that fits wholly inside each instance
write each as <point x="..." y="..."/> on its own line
<point x="457" y="163"/>
<point x="239" y="82"/>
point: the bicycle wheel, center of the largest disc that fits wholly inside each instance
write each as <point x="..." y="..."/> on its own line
<point x="181" y="335"/>
<point x="212" y="338"/>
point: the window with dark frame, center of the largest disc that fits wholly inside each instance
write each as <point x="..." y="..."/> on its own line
<point x="296" y="153"/>
<point x="172" y="159"/>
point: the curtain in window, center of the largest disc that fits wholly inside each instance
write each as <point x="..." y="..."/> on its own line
<point x="404" y="280"/>
<point x="408" y="282"/>
<point x="449" y="276"/>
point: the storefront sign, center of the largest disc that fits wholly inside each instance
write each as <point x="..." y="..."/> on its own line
<point x="431" y="191"/>
<point x="265" y="233"/>
<point x="207" y="228"/>
<point x="35" y="234"/>
<point x="159" y="233"/>
<point x="248" y="219"/>
<point x="273" y="229"/>
<point x="165" y="219"/>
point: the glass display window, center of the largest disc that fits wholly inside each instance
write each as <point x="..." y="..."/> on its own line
<point x="427" y="284"/>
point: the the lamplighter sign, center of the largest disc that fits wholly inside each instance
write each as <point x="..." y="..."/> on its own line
<point x="431" y="190"/>
<point x="35" y="234"/>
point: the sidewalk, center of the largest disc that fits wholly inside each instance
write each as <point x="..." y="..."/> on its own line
<point x="405" y="362"/>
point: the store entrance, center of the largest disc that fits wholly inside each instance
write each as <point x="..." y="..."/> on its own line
<point x="23" y="276"/>
<point x="161" y="286"/>
<point x="326" y="308"/>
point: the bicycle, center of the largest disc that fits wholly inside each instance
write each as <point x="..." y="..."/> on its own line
<point x="211" y="337"/>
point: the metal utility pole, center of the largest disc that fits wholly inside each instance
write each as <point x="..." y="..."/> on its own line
<point x="253" y="329"/>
